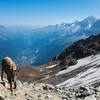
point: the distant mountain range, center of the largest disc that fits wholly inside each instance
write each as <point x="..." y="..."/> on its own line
<point x="38" y="46"/>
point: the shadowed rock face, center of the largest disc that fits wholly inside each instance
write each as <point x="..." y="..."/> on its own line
<point x="80" y="49"/>
<point x="68" y="61"/>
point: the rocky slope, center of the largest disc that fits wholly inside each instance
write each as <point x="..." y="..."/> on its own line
<point x="77" y="82"/>
<point x="26" y="91"/>
<point x="41" y="91"/>
<point x="86" y="71"/>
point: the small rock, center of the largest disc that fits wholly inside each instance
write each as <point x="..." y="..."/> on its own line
<point x="97" y="89"/>
<point x="65" y="97"/>
<point x="39" y="96"/>
<point x="91" y="97"/>
<point x="7" y="99"/>
<point x="19" y="83"/>
<point x="48" y="97"/>
<point x="2" y="91"/>
<point x="25" y="83"/>
<point x="82" y="92"/>
<point x="49" y="87"/>
<point x="8" y="93"/>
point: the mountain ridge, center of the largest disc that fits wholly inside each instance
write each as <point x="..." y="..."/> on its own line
<point x="79" y="49"/>
<point x="40" y="45"/>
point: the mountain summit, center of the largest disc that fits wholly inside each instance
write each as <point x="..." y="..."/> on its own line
<point x="90" y="19"/>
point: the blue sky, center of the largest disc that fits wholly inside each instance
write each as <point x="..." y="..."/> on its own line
<point x="45" y="12"/>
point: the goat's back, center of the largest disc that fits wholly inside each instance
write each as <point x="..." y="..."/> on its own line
<point x="8" y="65"/>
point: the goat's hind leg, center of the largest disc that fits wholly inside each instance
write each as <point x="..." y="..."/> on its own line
<point x="14" y="80"/>
<point x="15" y="85"/>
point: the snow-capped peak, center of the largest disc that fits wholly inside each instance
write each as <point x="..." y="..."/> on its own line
<point x="90" y="19"/>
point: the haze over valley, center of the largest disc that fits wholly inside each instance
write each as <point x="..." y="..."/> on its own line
<point x="36" y="46"/>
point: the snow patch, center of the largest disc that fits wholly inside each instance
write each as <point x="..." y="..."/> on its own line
<point x="83" y="78"/>
<point x="52" y="66"/>
<point x="89" y="25"/>
<point x="80" y="63"/>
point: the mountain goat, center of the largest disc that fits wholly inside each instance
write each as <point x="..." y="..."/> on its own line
<point x="11" y="70"/>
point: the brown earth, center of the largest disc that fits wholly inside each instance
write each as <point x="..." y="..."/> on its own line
<point x="29" y="73"/>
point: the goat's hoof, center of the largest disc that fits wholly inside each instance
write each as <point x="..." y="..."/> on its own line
<point x="11" y="90"/>
<point x="14" y="87"/>
<point x="11" y="93"/>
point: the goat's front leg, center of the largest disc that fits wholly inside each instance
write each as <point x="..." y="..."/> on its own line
<point x="2" y="75"/>
<point x="11" y="86"/>
<point x="10" y="81"/>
